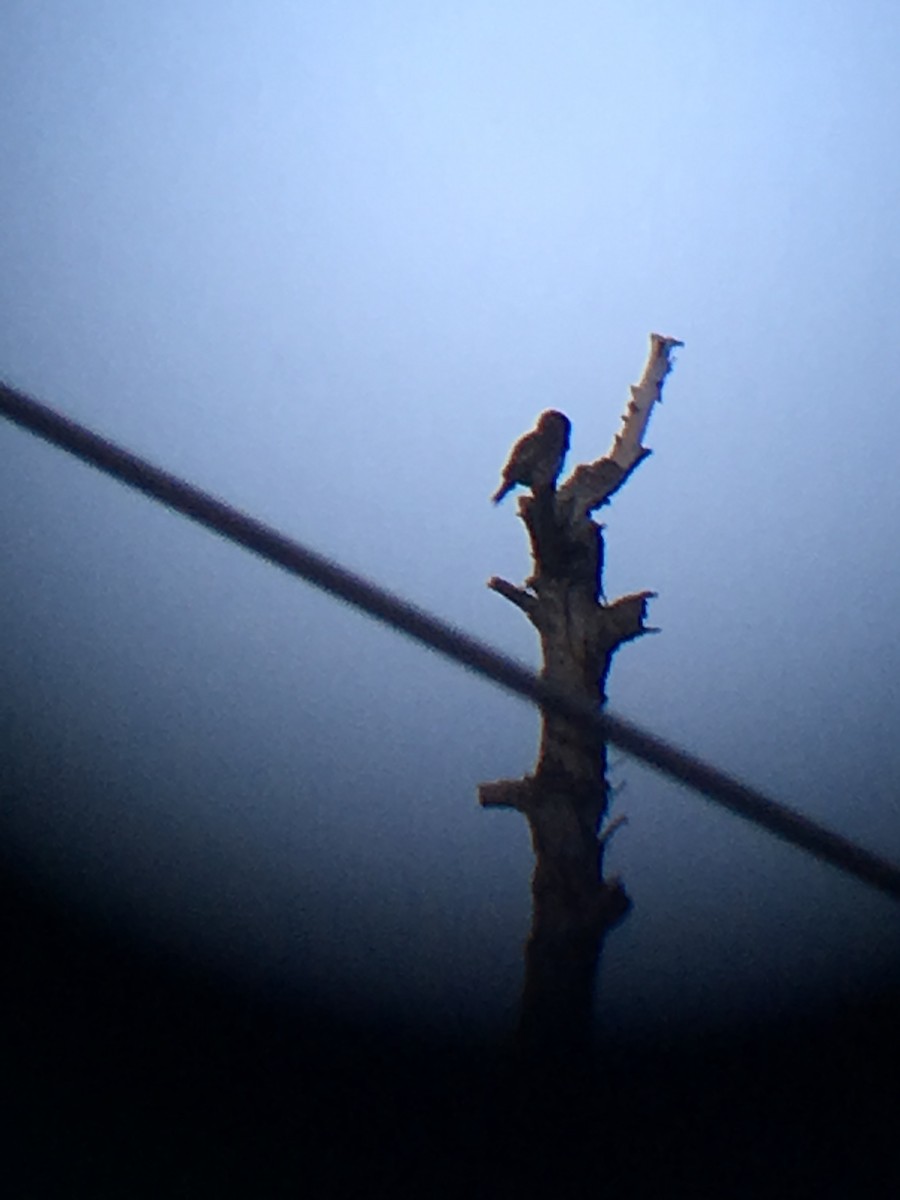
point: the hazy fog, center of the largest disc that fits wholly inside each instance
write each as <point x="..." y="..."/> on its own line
<point x="329" y="261"/>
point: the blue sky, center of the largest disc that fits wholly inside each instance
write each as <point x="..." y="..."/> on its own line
<point x="329" y="261"/>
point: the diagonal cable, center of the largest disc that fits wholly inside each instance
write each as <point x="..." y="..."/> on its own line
<point x="275" y="547"/>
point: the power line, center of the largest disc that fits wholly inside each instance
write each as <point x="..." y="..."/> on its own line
<point x="407" y="618"/>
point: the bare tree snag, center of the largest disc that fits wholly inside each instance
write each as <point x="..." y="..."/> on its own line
<point x="567" y="797"/>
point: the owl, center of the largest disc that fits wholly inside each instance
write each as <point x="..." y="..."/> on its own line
<point x="537" y="458"/>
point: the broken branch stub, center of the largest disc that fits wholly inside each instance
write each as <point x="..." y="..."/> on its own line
<point x="593" y="484"/>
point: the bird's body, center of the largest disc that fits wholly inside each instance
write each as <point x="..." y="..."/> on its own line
<point x="536" y="459"/>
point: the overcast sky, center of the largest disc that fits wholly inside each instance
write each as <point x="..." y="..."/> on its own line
<point x="328" y="261"/>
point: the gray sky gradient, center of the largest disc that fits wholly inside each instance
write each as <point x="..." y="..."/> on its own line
<point x="329" y="262"/>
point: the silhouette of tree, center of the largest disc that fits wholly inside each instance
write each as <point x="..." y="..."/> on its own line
<point x="566" y="798"/>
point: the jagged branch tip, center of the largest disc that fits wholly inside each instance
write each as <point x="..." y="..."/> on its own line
<point x="627" y="449"/>
<point x="593" y="484"/>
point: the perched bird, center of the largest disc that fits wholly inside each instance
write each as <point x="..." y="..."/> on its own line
<point x="536" y="459"/>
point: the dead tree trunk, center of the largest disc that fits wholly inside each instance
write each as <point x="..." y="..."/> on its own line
<point x="566" y="799"/>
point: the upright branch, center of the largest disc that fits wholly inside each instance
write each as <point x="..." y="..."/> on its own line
<point x="566" y="798"/>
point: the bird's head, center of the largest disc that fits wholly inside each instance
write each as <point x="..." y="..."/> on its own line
<point x="552" y="419"/>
